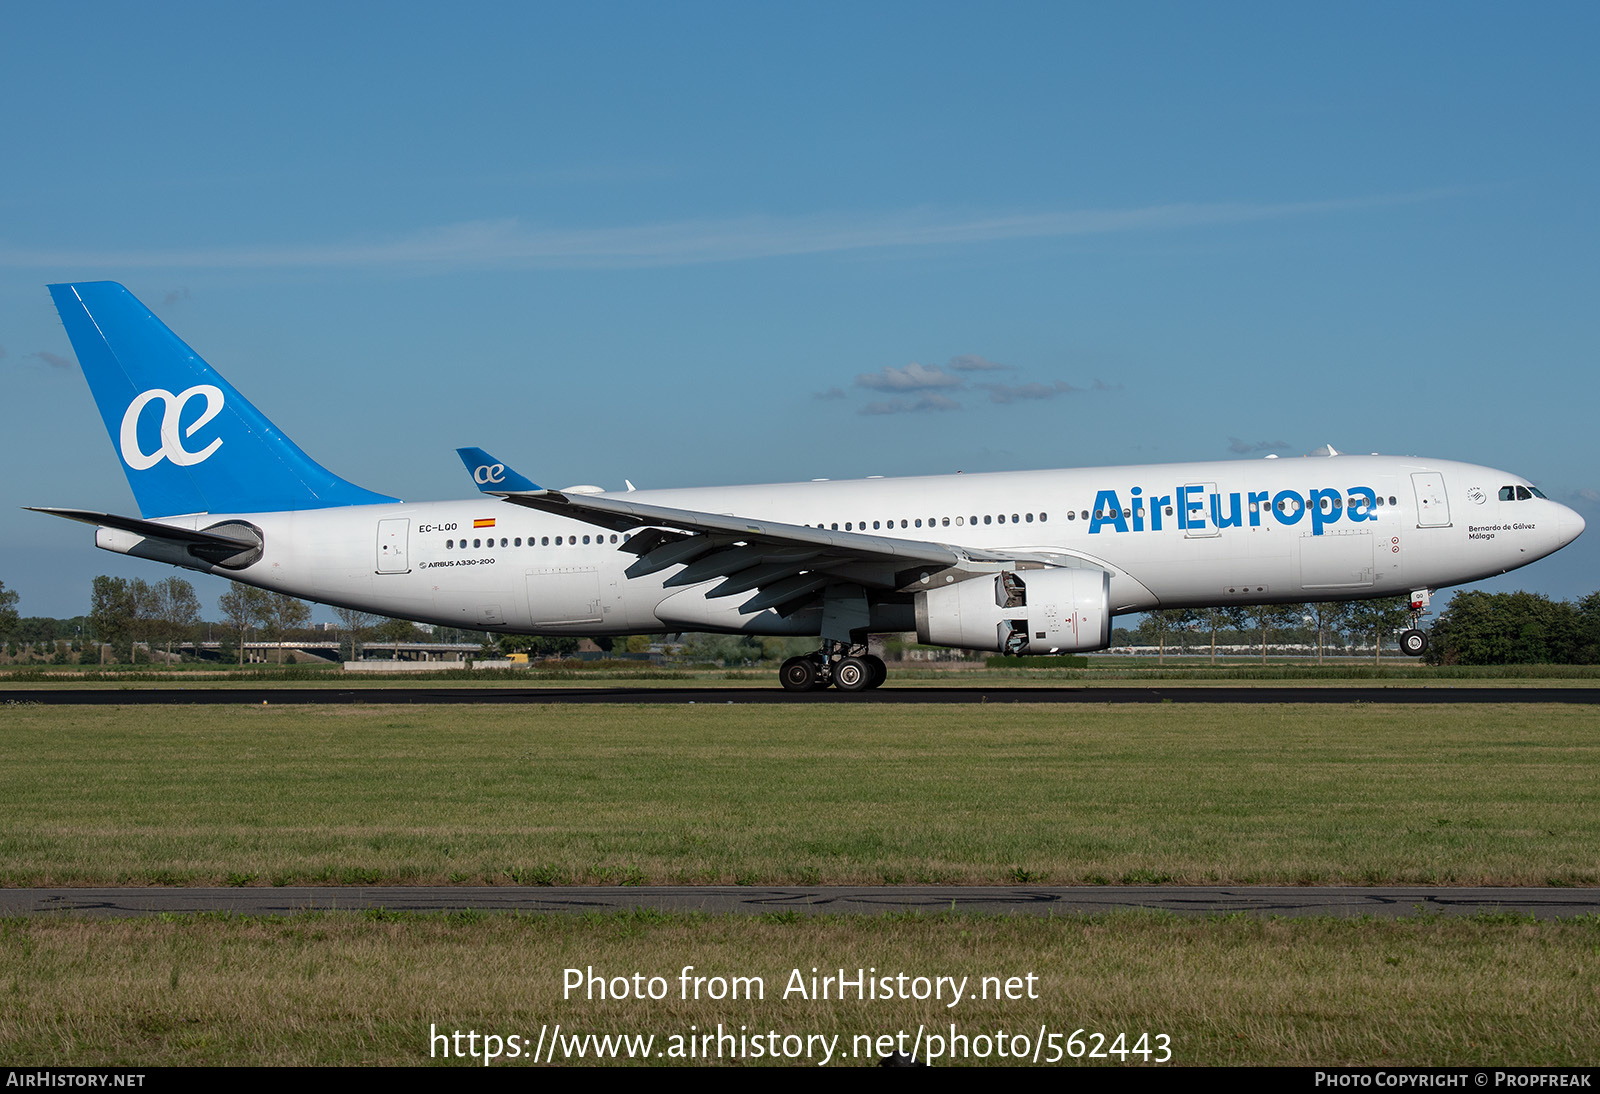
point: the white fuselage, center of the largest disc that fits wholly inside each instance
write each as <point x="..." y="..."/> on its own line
<point x="1172" y="535"/>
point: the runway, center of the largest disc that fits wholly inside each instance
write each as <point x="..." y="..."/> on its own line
<point x="1389" y="902"/>
<point x="167" y="696"/>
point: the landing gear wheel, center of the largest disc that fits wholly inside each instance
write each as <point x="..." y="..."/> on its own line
<point x="852" y="674"/>
<point x="1413" y="643"/>
<point x="800" y="674"/>
<point x="880" y="671"/>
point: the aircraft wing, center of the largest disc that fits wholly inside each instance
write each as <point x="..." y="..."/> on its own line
<point x="785" y="565"/>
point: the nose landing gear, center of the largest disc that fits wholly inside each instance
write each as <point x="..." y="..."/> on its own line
<point x="1414" y="641"/>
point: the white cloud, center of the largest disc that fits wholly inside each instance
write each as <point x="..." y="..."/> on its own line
<point x="1009" y="393"/>
<point x="971" y="362"/>
<point x="511" y="243"/>
<point x="913" y="377"/>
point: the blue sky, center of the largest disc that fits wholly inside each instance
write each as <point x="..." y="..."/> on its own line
<point x="702" y="243"/>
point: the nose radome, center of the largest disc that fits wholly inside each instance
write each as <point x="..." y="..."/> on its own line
<point x="1571" y="524"/>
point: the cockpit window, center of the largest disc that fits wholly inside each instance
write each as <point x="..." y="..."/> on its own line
<point x="1520" y="493"/>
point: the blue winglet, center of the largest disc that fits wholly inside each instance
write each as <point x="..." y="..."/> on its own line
<point x="491" y="475"/>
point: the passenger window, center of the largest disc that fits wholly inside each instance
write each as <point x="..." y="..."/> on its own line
<point x="449" y="544"/>
<point x="544" y="542"/>
<point x="1043" y="517"/>
<point x="988" y="520"/>
<point x="476" y="543"/>
<point x="1030" y="518"/>
<point x="959" y="521"/>
<point x="946" y="521"/>
<point x="919" y="522"/>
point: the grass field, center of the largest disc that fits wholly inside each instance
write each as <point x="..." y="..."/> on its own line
<point x="349" y="989"/>
<point x="1085" y="794"/>
<point x="1501" y="794"/>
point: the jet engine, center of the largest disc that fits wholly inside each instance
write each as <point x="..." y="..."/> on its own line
<point x="1057" y="610"/>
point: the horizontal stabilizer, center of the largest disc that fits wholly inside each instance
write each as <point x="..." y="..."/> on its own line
<point x="151" y="529"/>
<point x="232" y="544"/>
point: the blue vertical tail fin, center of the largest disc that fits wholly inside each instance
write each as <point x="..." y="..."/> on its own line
<point x="188" y="442"/>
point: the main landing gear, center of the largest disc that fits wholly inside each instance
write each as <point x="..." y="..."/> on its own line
<point x="846" y="666"/>
<point x="1413" y="641"/>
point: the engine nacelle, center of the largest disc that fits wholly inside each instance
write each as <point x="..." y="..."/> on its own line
<point x="1058" y="610"/>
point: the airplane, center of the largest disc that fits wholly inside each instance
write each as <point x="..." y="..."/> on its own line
<point x="1021" y="562"/>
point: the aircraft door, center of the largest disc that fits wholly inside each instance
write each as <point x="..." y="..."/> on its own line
<point x="1433" y="507"/>
<point x="393" y="557"/>
<point x="1197" y="515"/>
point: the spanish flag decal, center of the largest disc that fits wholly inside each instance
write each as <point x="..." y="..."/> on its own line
<point x="484" y="523"/>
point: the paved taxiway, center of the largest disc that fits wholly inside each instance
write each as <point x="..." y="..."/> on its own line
<point x="1267" y="900"/>
<point x="1435" y="693"/>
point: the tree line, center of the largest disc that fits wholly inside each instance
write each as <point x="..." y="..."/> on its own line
<point x="127" y="617"/>
<point x="1516" y="629"/>
<point x="1476" y="628"/>
<point x="1320" y="622"/>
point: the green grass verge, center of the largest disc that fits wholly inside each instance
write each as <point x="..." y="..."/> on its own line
<point x="368" y="989"/>
<point x="1003" y="793"/>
